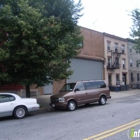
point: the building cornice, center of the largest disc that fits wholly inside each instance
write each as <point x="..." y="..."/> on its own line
<point x="115" y="37"/>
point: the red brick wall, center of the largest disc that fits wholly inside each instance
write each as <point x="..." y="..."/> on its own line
<point x="57" y="85"/>
<point x="93" y="43"/>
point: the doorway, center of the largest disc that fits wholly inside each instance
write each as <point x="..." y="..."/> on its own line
<point x="109" y="79"/>
<point x="124" y="79"/>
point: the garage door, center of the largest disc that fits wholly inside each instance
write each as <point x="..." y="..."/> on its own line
<point x="85" y="70"/>
<point x="48" y="89"/>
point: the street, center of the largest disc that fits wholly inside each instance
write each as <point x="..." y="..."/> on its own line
<point x="113" y="121"/>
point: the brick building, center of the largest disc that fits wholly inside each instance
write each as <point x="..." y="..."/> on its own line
<point x="89" y="64"/>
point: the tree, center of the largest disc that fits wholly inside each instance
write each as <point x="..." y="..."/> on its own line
<point x="135" y="29"/>
<point x="39" y="38"/>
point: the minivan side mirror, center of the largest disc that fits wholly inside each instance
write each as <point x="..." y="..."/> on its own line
<point x="77" y="89"/>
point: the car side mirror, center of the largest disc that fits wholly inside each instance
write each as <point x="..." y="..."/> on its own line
<point x="77" y="89"/>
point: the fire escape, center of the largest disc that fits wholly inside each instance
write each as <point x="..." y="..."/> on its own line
<point x="114" y="58"/>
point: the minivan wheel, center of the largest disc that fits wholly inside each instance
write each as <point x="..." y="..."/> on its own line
<point x="20" y="112"/>
<point x="102" y="100"/>
<point x="71" y="106"/>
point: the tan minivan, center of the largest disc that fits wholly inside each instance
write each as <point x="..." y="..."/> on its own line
<point x="80" y="93"/>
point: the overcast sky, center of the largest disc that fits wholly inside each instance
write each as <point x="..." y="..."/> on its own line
<point x="110" y="16"/>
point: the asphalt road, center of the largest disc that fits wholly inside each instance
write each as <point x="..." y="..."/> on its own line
<point x="83" y="123"/>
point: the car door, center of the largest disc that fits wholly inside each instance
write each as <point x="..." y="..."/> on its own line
<point x="80" y="93"/>
<point x="7" y="104"/>
<point x="92" y="91"/>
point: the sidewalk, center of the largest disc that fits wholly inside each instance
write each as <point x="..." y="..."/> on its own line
<point x="124" y="93"/>
<point x="44" y="100"/>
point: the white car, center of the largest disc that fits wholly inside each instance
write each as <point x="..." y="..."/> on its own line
<point x="12" y="104"/>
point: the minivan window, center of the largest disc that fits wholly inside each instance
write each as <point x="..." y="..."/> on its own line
<point x="80" y="86"/>
<point x="95" y="84"/>
<point x="68" y="87"/>
<point x="101" y="84"/>
<point x="91" y="85"/>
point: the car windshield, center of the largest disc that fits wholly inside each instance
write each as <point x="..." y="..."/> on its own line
<point x="68" y="87"/>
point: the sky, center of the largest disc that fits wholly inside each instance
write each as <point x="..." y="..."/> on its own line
<point x="110" y="16"/>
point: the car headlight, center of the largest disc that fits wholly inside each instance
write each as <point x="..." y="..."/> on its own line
<point x="61" y="99"/>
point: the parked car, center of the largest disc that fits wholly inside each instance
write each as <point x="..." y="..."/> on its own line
<point x="12" y="104"/>
<point x="79" y="93"/>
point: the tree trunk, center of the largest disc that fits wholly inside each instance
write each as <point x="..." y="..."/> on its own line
<point x="27" y="91"/>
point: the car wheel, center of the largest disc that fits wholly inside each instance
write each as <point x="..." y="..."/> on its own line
<point x="20" y="112"/>
<point x="71" y="106"/>
<point x="102" y="100"/>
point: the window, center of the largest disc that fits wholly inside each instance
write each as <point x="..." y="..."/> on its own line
<point x="6" y="98"/>
<point x="101" y="84"/>
<point x="68" y="87"/>
<point x="131" y="63"/>
<point x="80" y="86"/>
<point x="117" y="61"/>
<point x="123" y="63"/>
<point x="138" y="77"/>
<point x="123" y="49"/>
<point x="95" y="84"/>
<point x="130" y="48"/>
<point x="137" y="64"/>
<point x="91" y="85"/>
<point x="109" y="79"/>
<point x="124" y="79"/>
<point x="116" y="47"/>
<point x="132" y="79"/>
<point x="117" y="79"/>
<point x="109" y="61"/>
<point x="81" y="44"/>
<point x="108" y="45"/>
